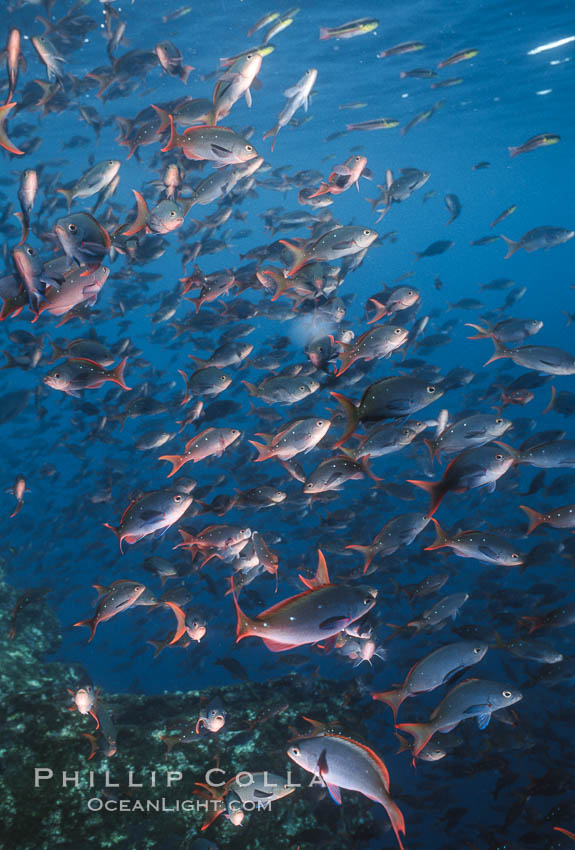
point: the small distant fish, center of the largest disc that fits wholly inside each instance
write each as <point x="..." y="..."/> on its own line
<point x="434" y="249"/>
<point x="541" y="141"/>
<point x="453" y="204"/>
<point x="505" y="214"/>
<point x="361" y="26"/>
<point x="460" y="56"/>
<point x="374" y="124"/>
<point x="399" y="49"/>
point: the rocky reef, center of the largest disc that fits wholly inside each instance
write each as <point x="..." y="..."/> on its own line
<point x="76" y="801"/>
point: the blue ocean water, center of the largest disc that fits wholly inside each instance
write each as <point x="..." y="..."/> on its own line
<point x="82" y="466"/>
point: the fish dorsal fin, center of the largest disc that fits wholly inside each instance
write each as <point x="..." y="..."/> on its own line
<point x="321" y="577"/>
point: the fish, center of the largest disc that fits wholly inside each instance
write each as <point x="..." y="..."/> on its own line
<point x="539" y="238"/>
<point x="298" y="96"/>
<point x="342" y="762"/>
<point x="373" y="124"/>
<point x="171" y="61"/>
<point x="18" y="490"/>
<point x="541" y="141"/>
<point x="478" y="698"/>
<point x="389" y="398"/>
<point x="153" y="513"/>
<point x="4" y="139"/>
<point x="505" y="214"/>
<point x="361" y="26"/>
<point x="562" y="517"/>
<point x="118" y="597"/>
<point x="78" y="374"/>
<point x="212" y="441"/>
<point x="317" y="614"/>
<point x="476" y="467"/>
<point x="400" y="49"/>
<point x="216" y="144"/>
<point x="482" y="546"/>
<point x="437" y="668"/>
<point x="460" y="56"/>
<point x="93" y="181"/>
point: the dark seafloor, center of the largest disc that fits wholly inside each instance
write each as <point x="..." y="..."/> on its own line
<point x="467" y="81"/>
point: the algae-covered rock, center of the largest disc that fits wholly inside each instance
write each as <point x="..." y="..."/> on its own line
<point x="55" y="796"/>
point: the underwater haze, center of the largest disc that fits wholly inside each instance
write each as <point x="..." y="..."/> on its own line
<point x="286" y="425"/>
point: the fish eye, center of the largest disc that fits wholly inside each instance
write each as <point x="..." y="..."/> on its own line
<point x="249" y="148"/>
<point x="506" y="694"/>
<point x="431" y="390"/>
<point x="295" y="751"/>
<point x="178" y="498"/>
<point x="319" y="423"/>
<point x="222" y="377"/>
<point x="515" y="555"/>
<point x="172" y="212"/>
<point x="498" y="421"/>
<point x="302" y="389"/>
<point x="72" y="228"/>
<point x="110" y="162"/>
<point x="367" y="232"/>
<point x="367" y="600"/>
<point x="397" y="331"/>
<point x="30" y="251"/>
<point x="250" y="56"/>
<point x="498" y="457"/>
<point x="477" y="650"/>
<point x="56" y="374"/>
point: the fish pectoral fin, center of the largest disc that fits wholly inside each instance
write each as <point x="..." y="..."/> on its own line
<point x="474" y="710"/>
<point x="483" y="720"/>
<point x="334" y="793"/>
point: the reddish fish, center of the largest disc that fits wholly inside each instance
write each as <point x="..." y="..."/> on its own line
<point x="317" y="614"/>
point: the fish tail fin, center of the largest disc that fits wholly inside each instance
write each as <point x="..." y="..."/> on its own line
<point x="499" y="351"/>
<point x="551" y="403"/>
<point x="323" y="33"/>
<point x="164" y="117"/>
<point x="368" y="553"/>
<point x="534" y="517"/>
<point x="159" y="646"/>
<point x="187" y="395"/>
<point x="351" y="415"/>
<point x="197" y="302"/>
<point x="421" y="733"/>
<point x="432" y="448"/>
<point x="264" y="452"/>
<point x="169" y="740"/>
<point x="273" y="132"/>
<point x="381" y="311"/>
<point x="441" y="538"/>
<point x="180" y="621"/>
<point x="68" y="194"/>
<point x="4" y="140"/>
<point x="91" y="623"/>
<point x="323" y="190"/>
<point x="25" y="227"/>
<point x="513" y="150"/>
<point x="199" y="360"/>
<point x="142" y="212"/>
<point x="395" y="815"/>
<point x="391" y="698"/>
<point x="174" y="141"/>
<point x="512" y="246"/>
<point x="117" y="531"/>
<point x="436" y="492"/>
<point x="251" y="388"/>
<point x="177" y="462"/>
<point x="482" y="333"/>
<point x="186" y="71"/>
<point x="245" y="624"/>
<point x="298" y="256"/>
<point x="321" y="578"/>
<point x="530" y="622"/>
<point x="117" y="374"/>
<point x="17" y="509"/>
<point x="365" y="465"/>
<point x="347" y="358"/>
